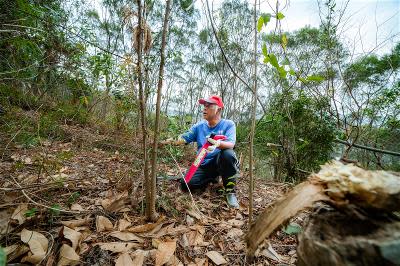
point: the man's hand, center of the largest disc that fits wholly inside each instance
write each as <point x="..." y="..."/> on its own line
<point x="215" y="144"/>
<point x="166" y="142"/>
<point x="171" y="141"/>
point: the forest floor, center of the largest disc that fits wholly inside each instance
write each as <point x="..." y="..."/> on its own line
<point x="67" y="202"/>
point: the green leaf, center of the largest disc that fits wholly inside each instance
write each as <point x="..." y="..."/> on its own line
<point x="264" y="50"/>
<point x="55" y="209"/>
<point x="74" y="196"/>
<point x="266" y="59"/>
<point x="3" y="257"/>
<point x="303" y="80"/>
<point x="266" y="17"/>
<point x="292" y="229"/>
<point x="286" y="62"/>
<point x="260" y="23"/>
<point x="292" y="72"/>
<point x="280" y="16"/>
<point x="273" y="60"/>
<point x="31" y="212"/>
<point x="284" y="41"/>
<point x="315" y="78"/>
<point x="282" y="72"/>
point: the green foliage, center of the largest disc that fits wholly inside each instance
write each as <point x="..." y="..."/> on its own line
<point x="55" y="210"/>
<point x="3" y="257"/>
<point x="292" y="229"/>
<point x="300" y="120"/>
<point x="203" y="36"/>
<point x="10" y="95"/>
<point x="31" y="212"/>
<point x="73" y="197"/>
<point x="263" y="20"/>
<point x="315" y="78"/>
<point x="280" y="16"/>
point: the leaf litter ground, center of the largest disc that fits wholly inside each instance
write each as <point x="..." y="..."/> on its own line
<point x="70" y="203"/>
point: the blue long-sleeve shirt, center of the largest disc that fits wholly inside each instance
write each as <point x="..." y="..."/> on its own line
<point x="200" y="131"/>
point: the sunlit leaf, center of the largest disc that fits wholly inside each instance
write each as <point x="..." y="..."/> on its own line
<point x="264" y="50"/>
<point x="284" y="41"/>
<point x="260" y="23"/>
<point x="273" y="60"/>
<point x="280" y="16"/>
<point x="267" y="18"/>
<point x="266" y="59"/>
<point x="282" y="72"/>
<point x="315" y="78"/>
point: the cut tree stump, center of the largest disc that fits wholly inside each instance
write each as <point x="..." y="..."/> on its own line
<point x="334" y="238"/>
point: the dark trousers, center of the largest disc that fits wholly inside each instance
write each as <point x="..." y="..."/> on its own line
<point x="225" y="165"/>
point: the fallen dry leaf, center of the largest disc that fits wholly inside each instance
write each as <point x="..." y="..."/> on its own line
<point x="155" y="242"/>
<point x="165" y="251"/>
<point x="138" y="257"/>
<point x="201" y="262"/>
<point x="38" y="245"/>
<point x="185" y="241"/>
<point x="76" y="223"/>
<point x="270" y="253"/>
<point x="68" y="256"/>
<point x="123" y="224"/>
<point x="103" y="224"/>
<point x="195" y="237"/>
<point x="234" y="233"/>
<point x="19" y="213"/>
<point x="235" y="223"/>
<point x="124" y="260"/>
<point x="145" y="227"/>
<point x="195" y="214"/>
<point x="10" y="249"/>
<point x="76" y="207"/>
<point x="216" y="257"/>
<point x="115" y="203"/>
<point x="174" y="261"/>
<point x="127" y="236"/>
<point x="189" y="220"/>
<point x="117" y="247"/>
<point x="72" y="235"/>
<point x="15" y="251"/>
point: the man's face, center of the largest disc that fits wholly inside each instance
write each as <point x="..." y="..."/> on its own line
<point x="210" y="111"/>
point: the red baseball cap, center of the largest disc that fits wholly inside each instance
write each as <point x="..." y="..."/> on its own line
<point x="213" y="99"/>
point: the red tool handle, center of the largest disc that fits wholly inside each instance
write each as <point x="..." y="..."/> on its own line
<point x="200" y="157"/>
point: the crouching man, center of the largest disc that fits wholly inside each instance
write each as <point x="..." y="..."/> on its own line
<point x="220" y="159"/>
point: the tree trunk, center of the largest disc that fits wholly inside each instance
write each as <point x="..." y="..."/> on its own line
<point x="334" y="238"/>
<point x="143" y="108"/>
<point x="253" y="119"/>
<point x="152" y="215"/>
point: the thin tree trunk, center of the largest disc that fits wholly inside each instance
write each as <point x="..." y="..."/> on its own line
<point x="152" y="204"/>
<point x="143" y="109"/>
<point x="253" y="118"/>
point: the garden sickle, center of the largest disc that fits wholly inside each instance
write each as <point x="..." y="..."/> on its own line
<point x="200" y="157"/>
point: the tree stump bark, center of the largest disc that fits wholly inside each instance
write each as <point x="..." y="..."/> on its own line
<point x="334" y="238"/>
